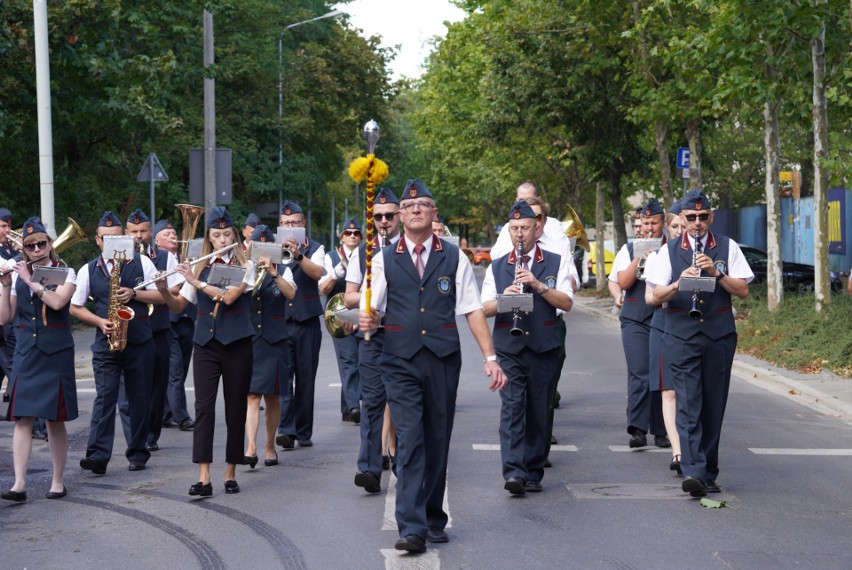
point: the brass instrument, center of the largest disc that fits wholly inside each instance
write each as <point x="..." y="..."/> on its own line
<point x="572" y="227"/>
<point x="190" y="215"/>
<point x="516" y="329"/>
<point x="260" y="273"/>
<point x="119" y="315"/>
<point x="695" y="312"/>
<point x="17" y="240"/>
<point x="640" y="270"/>
<point x="334" y="324"/>
<point x="72" y="234"/>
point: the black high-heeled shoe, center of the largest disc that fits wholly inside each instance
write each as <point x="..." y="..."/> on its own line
<point x="385" y="462"/>
<point x="675" y="465"/>
<point x="250" y="460"/>
<point x="270" y="462"/>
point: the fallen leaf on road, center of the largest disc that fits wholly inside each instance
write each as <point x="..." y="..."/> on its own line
<point x="711" y="504"/>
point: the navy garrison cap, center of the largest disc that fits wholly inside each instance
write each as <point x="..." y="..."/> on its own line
<point x="386" y="196"/>
<point x="415" y="188"/>
<point x="695" y="200"/>
<point x="289" y="208"/>
<point x="653" y="208"/>
<point x="262" y="233"/>
<point x="138" y="217"/>
<point x="219" y="218"/>
<point x="109" y="220"/>
<point x="6" y="215"/>
<point x="33" y="226"/>
<point x="252" y="220"/>
<point x="520" y="210"/>
<point x="160" y="226"/>
<point x="351" y="224"/>
<point x="677" y="207"/>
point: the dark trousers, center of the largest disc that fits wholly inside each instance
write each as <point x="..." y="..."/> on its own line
<point x="297" y="403"/>
<point x="635" y="337"/>
<point x="422" y="396"/>
<point x="523" y="415"/>
<point x="174" y="408"/>
<point x="136" y="364"/>
<point x="557" y="373"/>
<point x="373" y="400"/>
<point x="346" y="349"/>
<point x="701" y="373"/>
<point x="160" y="379"/>
<point x="232" y="363"/>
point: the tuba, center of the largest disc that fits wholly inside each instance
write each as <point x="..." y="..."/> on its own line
<point x="190" y="215"/>
<point x="71" y="235"/>
<point x="572" y="227"/>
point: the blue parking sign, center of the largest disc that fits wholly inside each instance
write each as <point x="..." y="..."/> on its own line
<point x="683" y="157"/>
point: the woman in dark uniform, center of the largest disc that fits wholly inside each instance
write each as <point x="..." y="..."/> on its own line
<point x="222" y="348"/>
<point x="43" y="383"/>
<point x="268" y="303"/>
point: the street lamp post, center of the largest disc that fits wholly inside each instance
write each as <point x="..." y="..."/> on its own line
<point x="332" y="14"/>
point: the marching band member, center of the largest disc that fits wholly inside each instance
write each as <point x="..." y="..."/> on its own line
<point x="8" y="259"/>
<point x="269" y="349"/>
<point x="644" y="409"/>
<point x="304" y="334"/>
<point x="223" y="348"/>
<point x="252" y="221"/>
<point x="346" y="348"/>
<point x="421" y="359"/>
<point x="43" y="380"/>
<point x="375" y="428"/>
<point x="701" y="342"/>
<point x="134" y="362"/>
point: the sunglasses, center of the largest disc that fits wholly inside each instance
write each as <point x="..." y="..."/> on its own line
<point x="380" y="217"/>
<point x="350" y="233"/>
<point x="36" y="245"/>
<point x="702" y="217"/>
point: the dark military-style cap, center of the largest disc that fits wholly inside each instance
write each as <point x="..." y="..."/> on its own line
<point x="138" y="217"/>
<point x="6" y="215"/>
<point x="415" y="188"/>
<point x="262" y="233"/>
<point x="160" y="226"/>
<point x="33" y="226"/>
<point x="653" y="208"/>
<point x="677" y="207"/>
<point x="289" y="208"/>
<point x="109" y="220"/>
<point x="350" y="224"/>
<point x="219" y="218"/>
<point x="520" y="210"/>
<point x="695" y="200"/>
<point x="252" y="220"/>
<point x="386" y="196"/>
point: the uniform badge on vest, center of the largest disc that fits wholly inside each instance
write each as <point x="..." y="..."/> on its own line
<point x="276" y="291"/>
<point x="444" y="284"/>
<point x="721" y="266"/>
<point x="550" y="281"/>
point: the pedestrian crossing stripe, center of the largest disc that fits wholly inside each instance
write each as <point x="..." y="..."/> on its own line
<point x="799" y="451"/>
<point x="496" y="447"/>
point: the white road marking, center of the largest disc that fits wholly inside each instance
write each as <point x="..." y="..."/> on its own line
<point x="389" y="522"/>
<point x="795" y="451"/>
<point x="93" y="390"/>
<point x="399" y="560"/>
<point x="496" y="447"/>
<point x="646" y="449"/>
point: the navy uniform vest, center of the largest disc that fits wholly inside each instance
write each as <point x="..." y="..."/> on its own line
<point x="717" y="318"/>
<point x="268" y="307"/>
<point x="306" y="304"/>
<point x="635" y="308"/>
<point x="31" y="330"/>
<point x="232" y="322"/>
<point x="8" y="252"/>
<point x="139" y="328"/>
<point x="339" y="283"/>
<point x="160" y="320"/>
<point x="421" y="315"/>
<point x="540" y="331"/>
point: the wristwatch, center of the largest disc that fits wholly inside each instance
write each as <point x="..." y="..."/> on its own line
<point x="721" y="274"/>
<point x="492" y="358"/>
<point x="299" y="257"/>
<point x="544" y="289"/>
<point x="201" y="285"/>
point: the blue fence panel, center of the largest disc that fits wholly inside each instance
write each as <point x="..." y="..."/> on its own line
<point x="752" y="226"/>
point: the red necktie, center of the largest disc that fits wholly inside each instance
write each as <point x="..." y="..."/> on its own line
<point x="419" y="249"/>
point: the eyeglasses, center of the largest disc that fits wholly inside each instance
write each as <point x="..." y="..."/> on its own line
<point x="388" y="217"/>
<point x="702" y="217"/>
<point x="416" y="206"/>
<point x="36" y="245"/>
<point x="350" y="233"/>
<point x="292" y="224"/>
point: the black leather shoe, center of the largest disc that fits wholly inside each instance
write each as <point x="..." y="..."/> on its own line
<point x="201" y="490"/>
<point x="285" y="441"/>
<point x="437" y="536"/>
<point x="693" y="486"/>
<point x="638" y="439"/>
<point x="231" y="487"/>
<point x="305" y="443"/>
<point x="385" y="462"/>
<point x="271" y="462"/>
<point x="250" y="460"/>
<point x="93" y="465"/>
<point x="712" y="487"/>
<point x="355" y="415"/>
<point x="187" y="425"/>
<point x="553" y="440"/>
<point x="136" y="466"/>
<point x="556" y="400"/>
<point x="533" y="487"/>
<point x="547" y="463"/>
<point x="56" y="494"/>
<point x="345" y="416"/>
<point x="169" y="424"/>
<point x="14" y="496"/>
<point x="675" y="465"/>
<point x="411" y="543"/>
<point x="40" y="434"/>
<point x="368" y="481"/>
<point x="515" y="486"/>
<point x="152" y="446"/>
<point x="662" y="441"/>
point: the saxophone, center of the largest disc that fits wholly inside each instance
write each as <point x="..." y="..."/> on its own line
<point x="119" y="315"/>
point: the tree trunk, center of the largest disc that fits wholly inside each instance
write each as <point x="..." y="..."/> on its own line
<point x="821" y="174"/>
<point x="693" y="135"/>
<point x="661" y="141"/>
<point x="808" y="170"/>
<point x="771" y="149"/>
<point x="614" y="177"/>
<point x="600" y="271"/>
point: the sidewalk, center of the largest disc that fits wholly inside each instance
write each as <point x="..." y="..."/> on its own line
<point x="825" y="392"/>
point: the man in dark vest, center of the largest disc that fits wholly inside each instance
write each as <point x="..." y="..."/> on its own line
<point x="8" y="258"/>
<point x="304" y="334"/>
<point x="529" y="359"/>
<point x="373" y="396"/>
<point x="346" y="348"/>
<point x="135" y="362"/>
<point x="644" y="408"/>
<point x="419" y="286"/>
<point x="700" y="337"/>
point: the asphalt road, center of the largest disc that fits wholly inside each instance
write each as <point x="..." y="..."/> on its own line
<point x="785" y="471"/>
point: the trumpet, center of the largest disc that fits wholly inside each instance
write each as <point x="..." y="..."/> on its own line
<point x="192" y="263"/>
<point x="516" y="329"/>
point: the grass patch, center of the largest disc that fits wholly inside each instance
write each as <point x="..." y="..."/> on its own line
<point x="796" y="336"/>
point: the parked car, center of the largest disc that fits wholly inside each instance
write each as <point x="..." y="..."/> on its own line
<point x="795" y="276"/>
<point x="481" y="255"/>
<point x="609" y="257"/>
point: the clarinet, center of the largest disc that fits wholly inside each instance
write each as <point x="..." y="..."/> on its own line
<point x="695" y="312"/>
<point x="516" y="329"/>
